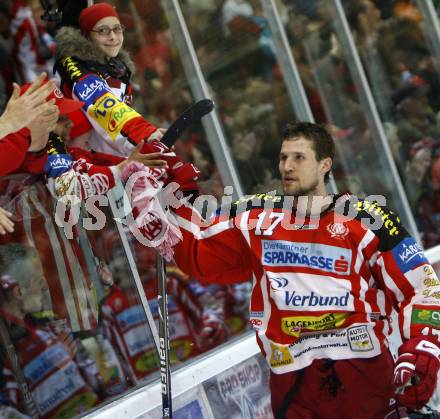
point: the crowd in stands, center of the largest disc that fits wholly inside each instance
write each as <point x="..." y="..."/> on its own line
<point x="237" y="58"/>
<point x="69" y="306"/>
<point x="73" y="330"/>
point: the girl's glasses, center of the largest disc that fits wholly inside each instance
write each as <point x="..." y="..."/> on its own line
<point x="105" y="30"/>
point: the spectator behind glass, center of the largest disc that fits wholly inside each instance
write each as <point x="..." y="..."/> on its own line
<point x="46" y="355"/>
<point x="25" y="150"/>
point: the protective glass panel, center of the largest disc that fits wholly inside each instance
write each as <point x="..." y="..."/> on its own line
<point x="331" y="81"/>
<point x="238" y="59"/>
<point x="399" y="51"/>
<point x="200" y="317"/>
<point x="72" y="335"/>
<point x="161" y="90"/>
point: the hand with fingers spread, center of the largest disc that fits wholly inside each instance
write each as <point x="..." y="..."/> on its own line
<point x="6" y="224"/>
<point x="22" y="110"/>
<point x="149" y="160"/>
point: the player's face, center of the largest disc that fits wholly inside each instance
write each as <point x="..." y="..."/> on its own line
<point x="301" y="173"/>
<point x="109" y="44"/>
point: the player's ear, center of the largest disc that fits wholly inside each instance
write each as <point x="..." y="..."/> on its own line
<point x="325" y="165"/>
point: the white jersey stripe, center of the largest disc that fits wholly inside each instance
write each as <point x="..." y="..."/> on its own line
<point x="61" y="268"/>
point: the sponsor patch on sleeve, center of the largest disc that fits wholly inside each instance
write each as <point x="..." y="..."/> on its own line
<point x="90" y="89"/>
<point x="408" y="255"/>
<point x="111" y="114"/>
<point x="425" y="316"/>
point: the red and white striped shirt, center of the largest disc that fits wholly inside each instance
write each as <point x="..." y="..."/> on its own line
<point x="72" y="293"/>
<point x="322" y="287"/>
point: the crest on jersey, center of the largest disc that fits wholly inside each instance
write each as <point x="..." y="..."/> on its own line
<point x="337" y="230"/>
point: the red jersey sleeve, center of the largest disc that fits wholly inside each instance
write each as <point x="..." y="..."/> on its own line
<point x="107" y="113"/>
<point x="401" y="268"/>
<point x="214" y="254"/>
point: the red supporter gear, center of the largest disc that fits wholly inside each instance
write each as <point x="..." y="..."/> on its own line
<point x="58" y="388"/>
<point x="104" y="88"/>
<point x="72" y="293"/>
<point x="323" y="289"/>
<point x="107" y="97"/>
<point x="14" y="155"/>
<point x="93" y="14"/>
<point x="91" y="174"/>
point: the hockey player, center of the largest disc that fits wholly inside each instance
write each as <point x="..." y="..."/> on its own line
<point x="327" y="273"/>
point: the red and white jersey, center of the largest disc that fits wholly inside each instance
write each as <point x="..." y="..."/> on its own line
<point x="323" y="287"/>
<point x="72" y="293"/>
<point x="54" y="379"/>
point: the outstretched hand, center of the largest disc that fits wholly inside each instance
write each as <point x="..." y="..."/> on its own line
<point x="21" y="110"/>
<point x="149" y="160"/>
<point x="6" y="224"/>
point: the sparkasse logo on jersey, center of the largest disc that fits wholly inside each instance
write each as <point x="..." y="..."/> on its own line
<point x="311" y="255"/>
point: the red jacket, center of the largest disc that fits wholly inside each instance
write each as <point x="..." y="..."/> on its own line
<point x="15" y="157"/>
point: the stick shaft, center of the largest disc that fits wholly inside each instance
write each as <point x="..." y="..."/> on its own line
<point x="5" y="341"/>
<point x="164" y="340"/>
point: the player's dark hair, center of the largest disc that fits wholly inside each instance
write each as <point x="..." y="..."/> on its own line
<point x="322" y="141"/>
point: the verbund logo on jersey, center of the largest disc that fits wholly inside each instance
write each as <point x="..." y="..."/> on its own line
<point x="310" y="292"/>
<point x="310" y="255"/>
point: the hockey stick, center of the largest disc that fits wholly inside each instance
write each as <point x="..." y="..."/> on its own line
<point x="164" y="340"/>
<point x="190" y="116"/>
<point x="8" y="346"/>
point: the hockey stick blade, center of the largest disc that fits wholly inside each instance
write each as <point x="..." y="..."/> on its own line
<point x="191" y="115"/>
